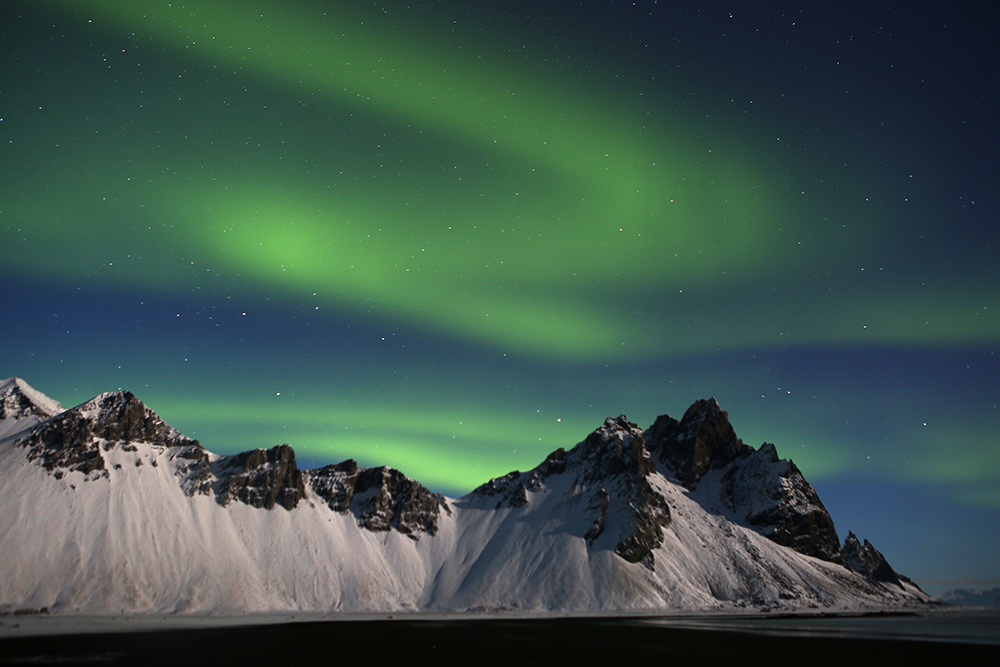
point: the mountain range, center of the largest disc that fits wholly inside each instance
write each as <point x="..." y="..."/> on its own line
<point x="968" y="597"/>
<point x="105" y="508"/>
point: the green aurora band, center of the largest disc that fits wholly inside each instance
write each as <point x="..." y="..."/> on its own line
<point x="584" y="203"/>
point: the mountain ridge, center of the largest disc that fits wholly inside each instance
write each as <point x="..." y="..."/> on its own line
<point x="626" y="519"/>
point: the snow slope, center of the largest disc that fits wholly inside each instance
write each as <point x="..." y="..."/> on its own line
<point x="145" y="529"/>
<point x="22" y="407"/>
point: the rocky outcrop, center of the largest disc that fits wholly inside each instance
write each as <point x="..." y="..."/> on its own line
<point x="60" y="452"/>
<point x="121" y="417"/>
<point x="609" y="470"/>
<point x="613" y="464"/>
<point x="754" y="487"/>
<point x="866" y="560"/>
<point x="381" y="499"/>
<point x="73" y="440"/>
<point x="385" y="498"/>
<point x="772" y="496"/>
<point x="192" y="466"/>
<point x="616" y="449"/>
<point x="512" y="489"/>
<point x="335" y="484"/>
<point x="702" y="439"/>
<point x="261" y="478"/>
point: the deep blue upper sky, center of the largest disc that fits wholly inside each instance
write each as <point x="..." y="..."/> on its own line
<point x="452" y="237"/>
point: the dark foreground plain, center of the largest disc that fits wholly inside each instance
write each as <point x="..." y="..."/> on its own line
<point x="537" y="641"/>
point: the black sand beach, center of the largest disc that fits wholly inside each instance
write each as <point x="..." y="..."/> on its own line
<point x="538" y="641"/>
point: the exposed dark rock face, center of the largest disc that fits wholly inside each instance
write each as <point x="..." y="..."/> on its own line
<point x="754" y="486"/>
<point x="192" y="466"/>
<point x="73" y="440"/>
<point x="385" y="498"/>
<point x="702" y="439"/>
<point x="380" y="498"/>
<point x="617" y="448"/>
<point x="65" y="455"/>
<point x="261" y="478"/>
<point x="610" y="467"/>
<point x="335" y="484"/>
<point x="771" y="495"/>
<point x="614" y="462"/>
<point x="866" y="560"/>
<point x="512" y="489"/>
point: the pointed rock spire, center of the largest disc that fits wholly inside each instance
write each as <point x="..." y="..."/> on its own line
<point x="701" y="439"/>
<point x="868" y="561"/>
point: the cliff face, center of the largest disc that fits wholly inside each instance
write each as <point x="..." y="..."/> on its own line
<point x="74" y="440"/>
<point x="703" y="439"/>
<point x="261" y="478"/>
<point x="610" y="469"/>
<point x="754" y="487"/>
<point x="381" y="499"/>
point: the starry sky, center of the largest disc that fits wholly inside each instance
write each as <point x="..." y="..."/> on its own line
<point x="451" y="237"/>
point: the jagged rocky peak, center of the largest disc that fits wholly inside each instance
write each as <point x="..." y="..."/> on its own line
<point x="385" y="498"/>
<point x="19" y="401"/>
<point x="380" y="498"/>
<point x="703" y="438"/>
<point x="608" y="473"/>
<point x="261" y="478"/>
<point x="754" y="487"/>
<point x="772" y="496"/>
<point x="611" y="467"/>
<point x="616" y="447"/>
<point x="119" y="416"/>
<point x="869" y="562"/>
<point x="73" y="440"/>
<point x="335" y="484"/>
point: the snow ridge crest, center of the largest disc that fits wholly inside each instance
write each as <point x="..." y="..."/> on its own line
<point x="22" y="407"/>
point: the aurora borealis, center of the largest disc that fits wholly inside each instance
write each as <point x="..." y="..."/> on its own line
<point x="452" y="237"/>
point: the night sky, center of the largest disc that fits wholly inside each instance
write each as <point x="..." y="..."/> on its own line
<point x="453" y="236"/>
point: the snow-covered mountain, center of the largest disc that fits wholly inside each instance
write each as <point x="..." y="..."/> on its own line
<point x="105" y="508"/>
<point x="967" y="597"/>
<point x="22" y="408"/>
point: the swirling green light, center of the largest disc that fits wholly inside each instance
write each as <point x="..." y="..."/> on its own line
<point x="587" y="199"/>
<point x="589" y="228"/>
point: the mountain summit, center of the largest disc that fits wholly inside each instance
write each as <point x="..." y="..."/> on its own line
<point x="609" y="474"/>
<point x="105" y="507"/>
<point x="752" y="487"/>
